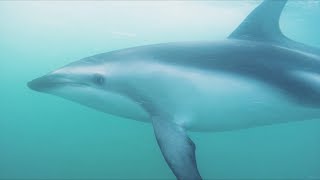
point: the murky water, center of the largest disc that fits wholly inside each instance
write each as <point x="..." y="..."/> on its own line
<point x="42" y="136"/>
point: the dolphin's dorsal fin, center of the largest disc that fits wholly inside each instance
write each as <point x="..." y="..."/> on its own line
<point x="262" y="24"/>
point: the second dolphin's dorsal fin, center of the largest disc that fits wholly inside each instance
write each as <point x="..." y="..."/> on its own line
<point x="262" y="24"/>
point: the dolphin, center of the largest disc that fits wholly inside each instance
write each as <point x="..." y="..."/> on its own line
<point x="256" y="77"/>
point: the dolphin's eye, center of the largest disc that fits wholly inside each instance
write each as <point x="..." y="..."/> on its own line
<point x="99" y="79"/>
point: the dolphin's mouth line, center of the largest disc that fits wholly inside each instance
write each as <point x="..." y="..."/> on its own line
<point x="44" y="85"/>
<point x="70" y="84"/>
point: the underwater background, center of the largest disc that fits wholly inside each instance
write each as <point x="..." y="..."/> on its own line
<point x="45" y="137"/>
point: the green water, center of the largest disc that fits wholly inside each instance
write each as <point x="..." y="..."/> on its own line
<point x="42" y="136"/>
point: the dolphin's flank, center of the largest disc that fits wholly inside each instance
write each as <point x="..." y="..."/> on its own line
<point x="256" y="77"/>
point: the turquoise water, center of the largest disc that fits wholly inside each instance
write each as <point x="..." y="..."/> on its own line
<point x="42" y="136"/>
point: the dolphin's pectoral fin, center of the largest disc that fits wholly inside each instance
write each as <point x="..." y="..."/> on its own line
<point x="263" y="23"/>
<point x="177" y="148"/>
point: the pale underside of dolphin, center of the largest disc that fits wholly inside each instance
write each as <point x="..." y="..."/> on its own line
<point x="255" y="77"/>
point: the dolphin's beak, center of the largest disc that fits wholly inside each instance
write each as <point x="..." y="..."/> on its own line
<point x="52" y="81"/>
<point x="45" y="83"/>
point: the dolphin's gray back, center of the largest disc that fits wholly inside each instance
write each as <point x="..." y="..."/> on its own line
<point x="274" y="65"/>
<point x="269" y="63"/>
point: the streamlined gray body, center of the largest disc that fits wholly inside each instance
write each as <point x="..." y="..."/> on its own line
<point x="255" y="77"/>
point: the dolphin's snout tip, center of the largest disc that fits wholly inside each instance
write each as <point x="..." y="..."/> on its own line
<point x="40" y="84"/>
<point x="29" y="84"/>
<point x="34" y="85"/>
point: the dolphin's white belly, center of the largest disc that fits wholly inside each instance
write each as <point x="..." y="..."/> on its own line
<point x="217" y="101"/>
<point x="230" y="102"/>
